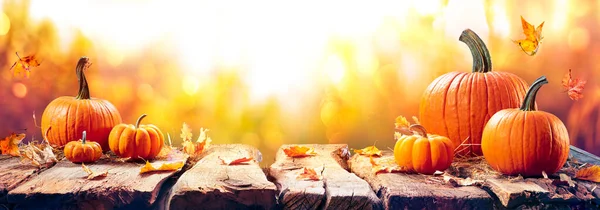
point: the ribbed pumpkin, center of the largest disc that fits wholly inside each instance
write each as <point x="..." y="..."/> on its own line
<point x="136" y="141"/>
<point x="83" y="151"/>
<point x="458" y="104"/>
<point x="583" y="123"/>
<point x="526" y="141"/>
<point x="67" y="117"/>
<point x="423" y="153"/>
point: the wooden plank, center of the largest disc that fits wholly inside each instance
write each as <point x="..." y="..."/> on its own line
<point x="339" y="189"/>
<point x="211" y="185"/>
<point x="13" y="173"/>
<point x="65" y="186"/>
<point x="584" y="156"/>
<point x="417" y="191"/>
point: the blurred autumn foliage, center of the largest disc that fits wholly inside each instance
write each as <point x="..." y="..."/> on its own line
<point x="359" y="83"/>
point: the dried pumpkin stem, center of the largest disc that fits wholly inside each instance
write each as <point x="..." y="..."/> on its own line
<point x="419" y="129"/>
<point x="529" y="101"/>
<point x="482" y="61"/>
<point x="137" y="124"/>
<point x="83" y="138"/>
<point x="84" y="91"/>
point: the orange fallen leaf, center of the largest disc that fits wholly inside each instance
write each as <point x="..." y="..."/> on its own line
<point x="384" y="167"/>
<point x="590" y="174"/>
<point x="238" y="161"/>
<point x="573" y="87"/>
<point x="369" y="151"/>
<point x="10" y="144"/>
<point x="93" y="175"/>
<point x="299" y="151"/>
<point x="309" y="174"/>
<point x="533" y="37"/>
<point x="194" y="148"/>
<point x="170" y="166"/>
<point x="24" y="64"/>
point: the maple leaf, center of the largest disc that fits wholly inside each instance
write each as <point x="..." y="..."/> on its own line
<point x="24" y="64"/>
<point x="10" y="144"/>
<point x="169" y="166"/>
<point x="299" y="151"/>
<point x="309" y="174"/>
<point x="93" y="175"/>
<point x="233" y="161"/>
<point x="369" y="151"/>
<point x="186" y="132"/>
<point x="533" y="37"/>
<point x="590" y="174"/>
<point x="573" y="87"/>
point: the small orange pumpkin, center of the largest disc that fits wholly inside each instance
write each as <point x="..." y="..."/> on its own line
<point x="423" y="153"/>
<point x="83" y="151"/>
<point x="525" y="141"/>
<point x="139" y="141"/>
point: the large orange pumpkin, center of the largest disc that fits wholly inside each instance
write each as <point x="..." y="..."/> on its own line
<point x="526" y="141"/>
<point x="423" y="153"/>
<point x="583" y="123"/>
<point x="67" y="117"/>
<point x="458" y="104"/>
<point x="136" y="141"/>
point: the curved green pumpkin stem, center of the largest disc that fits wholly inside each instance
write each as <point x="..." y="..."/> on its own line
<point x="482" y="61"/>
<point x="419" y="129"/>
<point x="84" y="91"/>
<point x="83" y="138"/>
<point x="529" y="101"/>
<point x="137" y="124"/>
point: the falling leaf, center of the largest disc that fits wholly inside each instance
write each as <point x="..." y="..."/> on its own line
<point x="573" y="87"/>
<point x="309" y="174"/>
<point x="232" y="161"/>
<point x="170" y="166"/>
<point x="591" y="173"/>
<point x="186" y="132"/>
<point x="533" y="37"/>
<point x="368" y="151"/>
<point x="24" y="64"/>
<point x="386" y="166"/>
<point x="93" y="175"/>
<point x="10" y="144"/>
<point x="299" y="151"/>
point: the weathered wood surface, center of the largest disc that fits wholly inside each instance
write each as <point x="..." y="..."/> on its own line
<point x="13" y="173"/>
<point x="211" y="185"/>
<point x="339" y="189"/>
<point x="65" y="186"/>
<point x="417" y="191"/>
<point x="584" y="156"/>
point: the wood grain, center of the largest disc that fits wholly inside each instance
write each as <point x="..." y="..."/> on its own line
<point x="211" y="185"/>
<point x="339" y="189"/>
<point x="13" y="173"/>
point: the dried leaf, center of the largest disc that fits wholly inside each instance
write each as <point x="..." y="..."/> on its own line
<point x="460" y="182"/>
<point x="591" y="173"/>
<point x="199" y="146"/>
<point x="368" y="151"/>
<point x="402" y="127"/>
<point x="169" y="166"/>
<point x="309" y="174"/>
<point x="169" y="153"/>
<point x="93" y="175"/>
<point x="10" y="144"/>
<point x="565" y="178"/>
<point x="299" y="151"/>
<point x="384" y="166"/>
<point x="24" y="64"/>
<point x="186" y="132"/>
<point x="573" y="87"/>
<point x="238" y="161"/>
<point x="533" y="37"/>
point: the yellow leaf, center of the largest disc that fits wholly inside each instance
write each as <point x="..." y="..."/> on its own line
<point x="369" y="151"/>
<point x="24" y="64"/>
<point x="186" y="132"/>
<point x="590" y="173"/>
<point x="170" y="166"/>
<point x="10" y="144"/>
<point x="533" y="37"/>
<point x="91" y="174"/>
<point x="402" y="126"/>
<point x="299" y="151"/>
<point x="238" y="161"/>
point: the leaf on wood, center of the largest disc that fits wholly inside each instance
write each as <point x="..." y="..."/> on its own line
<point x="169" y="153"/>
<point x="309" y="174"/>
<point x="93" y="175"/>
<point x="573" y="87"/>
<point x="233" y="161"/>
<point x="591" y="173"/>
<point x="368" y="151"/>
<point x="299" y="151"/>
<point x="38" y="154"/>
<point x="170" y="166"/>
<point x="387" y="165"/>
<point x="460" y="182"/>
<point x="24" y="64"/>
<point x="533" y="37"/>
<point x="564" y="180"/>
<point x="10" y="144"/>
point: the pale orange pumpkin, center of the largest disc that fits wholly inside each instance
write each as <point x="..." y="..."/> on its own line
<point x="136" y="141"/>
<point x="423" y="153"/>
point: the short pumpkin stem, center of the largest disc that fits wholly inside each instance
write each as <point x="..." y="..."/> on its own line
<point x="137" y="124"/>
<point x="529" y="101"/>
<point x="83" y="138"/>
<point x="84" y="91"/>
<point x="419" y="129"/>
<point x="482" y="61"/>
